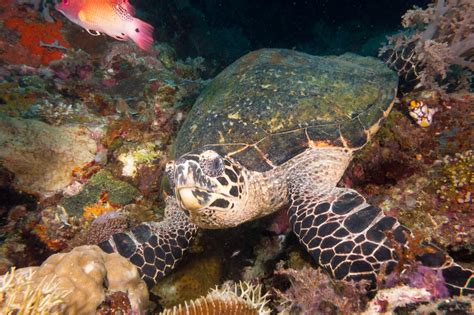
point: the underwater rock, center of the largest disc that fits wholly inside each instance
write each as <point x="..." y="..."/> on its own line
<point x="193" y="279"/>
<point x="74" y="283"/>
<point x="41" y="156"/>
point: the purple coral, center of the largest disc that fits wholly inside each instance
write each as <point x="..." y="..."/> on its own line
<point x="436" y="39"/>
<point x="427" y="278"/>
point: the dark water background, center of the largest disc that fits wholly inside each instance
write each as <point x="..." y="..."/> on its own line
<point x="225" y="30"/>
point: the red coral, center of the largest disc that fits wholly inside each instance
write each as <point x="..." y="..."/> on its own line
<point x="34" y="36"/>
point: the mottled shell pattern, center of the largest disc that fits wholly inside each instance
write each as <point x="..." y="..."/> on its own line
<point x="271" y="104"/>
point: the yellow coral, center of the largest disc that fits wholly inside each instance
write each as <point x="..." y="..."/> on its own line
<point x="100" y="207"/>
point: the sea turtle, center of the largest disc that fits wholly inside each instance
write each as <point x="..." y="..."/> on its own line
<point x="277" y="129"/>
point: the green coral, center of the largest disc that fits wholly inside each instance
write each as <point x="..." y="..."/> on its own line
<point x="119" y="193"/>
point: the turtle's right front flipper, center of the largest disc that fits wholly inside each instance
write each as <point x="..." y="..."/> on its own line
<point x="155" y="248"/>
<point x="348" y="237"/>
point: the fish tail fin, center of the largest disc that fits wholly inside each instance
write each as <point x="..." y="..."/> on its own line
<point x="142" y="34"/>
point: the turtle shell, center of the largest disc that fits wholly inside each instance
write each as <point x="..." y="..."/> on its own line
<point x="272" y="104"/>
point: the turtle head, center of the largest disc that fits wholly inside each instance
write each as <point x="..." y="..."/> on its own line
<point x="210" y="188"/>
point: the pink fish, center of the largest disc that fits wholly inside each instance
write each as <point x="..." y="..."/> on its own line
<point x="112" y="17"/>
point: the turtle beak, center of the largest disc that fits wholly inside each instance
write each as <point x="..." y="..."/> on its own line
<point x="192" y="190"/>
<point x="188" y="199"/>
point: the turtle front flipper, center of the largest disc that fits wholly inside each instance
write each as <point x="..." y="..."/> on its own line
<point x="348" y="237"/>
<point x="155" y="248"/>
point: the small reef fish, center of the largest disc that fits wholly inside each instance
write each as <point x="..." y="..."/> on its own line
<point x="421" y="113"/>
<point x="111" y="17"/>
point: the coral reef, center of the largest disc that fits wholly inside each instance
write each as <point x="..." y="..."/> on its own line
<point x="193" y="279"/>
<point x="88" y="201"/>
<point x="422" y="175"/>
<point x="75" y="282"/>
<point x="437" y="40"/>
<point x="53" y="114"/>
<point x="41" y="156"/>
<point x="242" y="298"/>
<point x="386" y="301"/>
<point x="266" y="250"/>
<point x="21" y="294"/>
<point x="314" y="292"/>
<point x="115" y="303"/>
<point x="31" y="41"/>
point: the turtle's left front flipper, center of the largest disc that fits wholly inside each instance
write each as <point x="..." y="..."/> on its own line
<point x="155" y="248"/>
<point x="348" y="237"/>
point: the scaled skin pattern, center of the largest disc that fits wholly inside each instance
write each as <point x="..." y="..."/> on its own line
<point x="82" y="274"/>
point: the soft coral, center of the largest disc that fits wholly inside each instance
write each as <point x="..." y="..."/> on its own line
<point x="437" y="38"/>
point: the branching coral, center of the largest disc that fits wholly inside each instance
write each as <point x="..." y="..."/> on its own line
<point x="437" y="38"/>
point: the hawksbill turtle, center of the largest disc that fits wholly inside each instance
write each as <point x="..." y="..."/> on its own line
<point x="277" y="129"/>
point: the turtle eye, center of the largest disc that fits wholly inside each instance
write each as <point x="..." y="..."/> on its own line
<point x="213" y="166"/>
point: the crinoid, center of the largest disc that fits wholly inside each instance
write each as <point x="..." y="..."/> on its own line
<point x="239" y="299"/>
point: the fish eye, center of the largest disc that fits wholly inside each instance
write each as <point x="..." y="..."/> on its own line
<point x="66" y="2"/>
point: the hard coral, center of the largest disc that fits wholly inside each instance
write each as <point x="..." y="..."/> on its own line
<point x="438" y="38"/>
<point x="44" y="41"/>
<point x="80" y="279"/>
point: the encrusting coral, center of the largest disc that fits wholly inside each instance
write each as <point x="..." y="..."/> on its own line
<point x="437" y="38"/>
<point x="239" y="299"/>
<point x="72" y="283"/>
